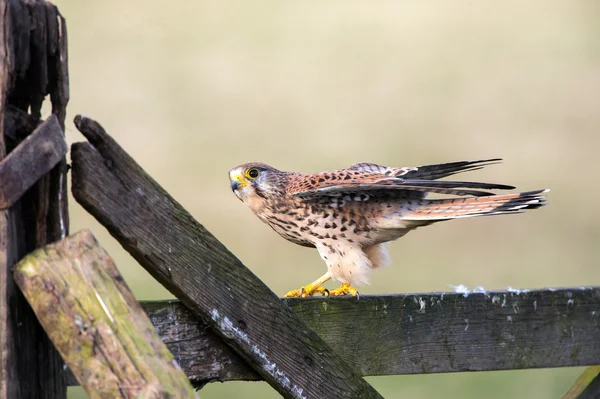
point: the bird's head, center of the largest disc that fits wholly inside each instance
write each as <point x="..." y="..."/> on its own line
<point x="252" y="180"/>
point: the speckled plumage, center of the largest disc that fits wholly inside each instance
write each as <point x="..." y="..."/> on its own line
<point x="349" y="215"/>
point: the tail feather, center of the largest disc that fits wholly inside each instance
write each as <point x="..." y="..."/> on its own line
<point x="455" y="208"/>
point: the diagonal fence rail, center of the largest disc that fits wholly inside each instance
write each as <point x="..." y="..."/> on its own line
<point x="190" y="262"/>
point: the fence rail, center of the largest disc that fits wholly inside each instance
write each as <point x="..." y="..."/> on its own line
<point x="413" y="333"/>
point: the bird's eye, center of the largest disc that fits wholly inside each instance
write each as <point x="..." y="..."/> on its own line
<point x="252" y="173"/>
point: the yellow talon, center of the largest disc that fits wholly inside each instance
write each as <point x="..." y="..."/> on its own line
<point x="306" y="291"/>
<point x="313" y="288"/>
<point x="344" y="289"/>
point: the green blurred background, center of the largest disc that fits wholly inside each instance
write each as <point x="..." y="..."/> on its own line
<point x="193" y="88"/>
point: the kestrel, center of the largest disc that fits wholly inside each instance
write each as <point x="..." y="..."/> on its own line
<point x="350" y="215"/>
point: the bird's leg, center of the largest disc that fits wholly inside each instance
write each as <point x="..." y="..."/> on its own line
<point x="313" y="288"/>
<point x="344" y="289"/>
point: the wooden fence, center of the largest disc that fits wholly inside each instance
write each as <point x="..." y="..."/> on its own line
<point x="227" y="325"/>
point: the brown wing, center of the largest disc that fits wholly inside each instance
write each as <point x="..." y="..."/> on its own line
<point x="361" y="181"/>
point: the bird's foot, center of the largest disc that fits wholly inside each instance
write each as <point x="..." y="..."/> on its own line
<point x="344" y="289"/>
<point x="306" y="291"/>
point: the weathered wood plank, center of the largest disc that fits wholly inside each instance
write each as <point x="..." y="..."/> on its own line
<point x="9" y="384"/>
<point x="189" y="261"/>
<point x="30" y="367"/>
<point x="57" y="216"/>
<point x="96" y="323"/>
<point x="34" y="157"/>
<point x="448" y="332"/>
<point x="587" y="385"/>
<point x="413" y="333"/>
<point x="18" y="124"/>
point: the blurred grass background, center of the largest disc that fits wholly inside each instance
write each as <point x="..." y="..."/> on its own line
<point x="193" y="88"/>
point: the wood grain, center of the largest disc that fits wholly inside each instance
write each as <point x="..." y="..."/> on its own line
<point x="189" y="261"/>
<point x="33" y="158"/>
<point x="413" y="333"/>
<point x="96" y="323"/>
<point x="9" y="381"/>
<point x="30" y="367"/>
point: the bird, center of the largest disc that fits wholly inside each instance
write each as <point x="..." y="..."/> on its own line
<point x="350" y="215"/>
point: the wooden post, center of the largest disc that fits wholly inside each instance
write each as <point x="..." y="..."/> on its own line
<point x="8" y="366"/>
<point x="95" y="322"/>
<point x="33" y="64"/>
<point x="189" y="261"/>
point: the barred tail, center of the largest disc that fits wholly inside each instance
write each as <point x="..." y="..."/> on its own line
<point x="445" y="209"/>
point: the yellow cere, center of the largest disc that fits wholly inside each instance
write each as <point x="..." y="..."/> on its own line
<point x="237" y="177"/>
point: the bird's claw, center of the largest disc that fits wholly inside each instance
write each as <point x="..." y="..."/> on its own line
<point x="307" y="291"/>
<point x="344" y="289"/>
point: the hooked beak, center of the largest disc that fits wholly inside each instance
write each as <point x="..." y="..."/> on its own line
<point x="237" y="181"/>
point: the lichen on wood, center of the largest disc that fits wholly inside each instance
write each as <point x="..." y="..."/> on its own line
<point x="96" y="324"/>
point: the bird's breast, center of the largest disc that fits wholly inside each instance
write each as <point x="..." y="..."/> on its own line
<point x="308" y="223"/>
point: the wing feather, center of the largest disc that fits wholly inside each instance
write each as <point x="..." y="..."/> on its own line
<point x="438" y="171"/>
<point x="371" y="183"/>
<point x="359" y="188"/>
<point x="370" y="167"/>
<point x="369" y="177"/>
